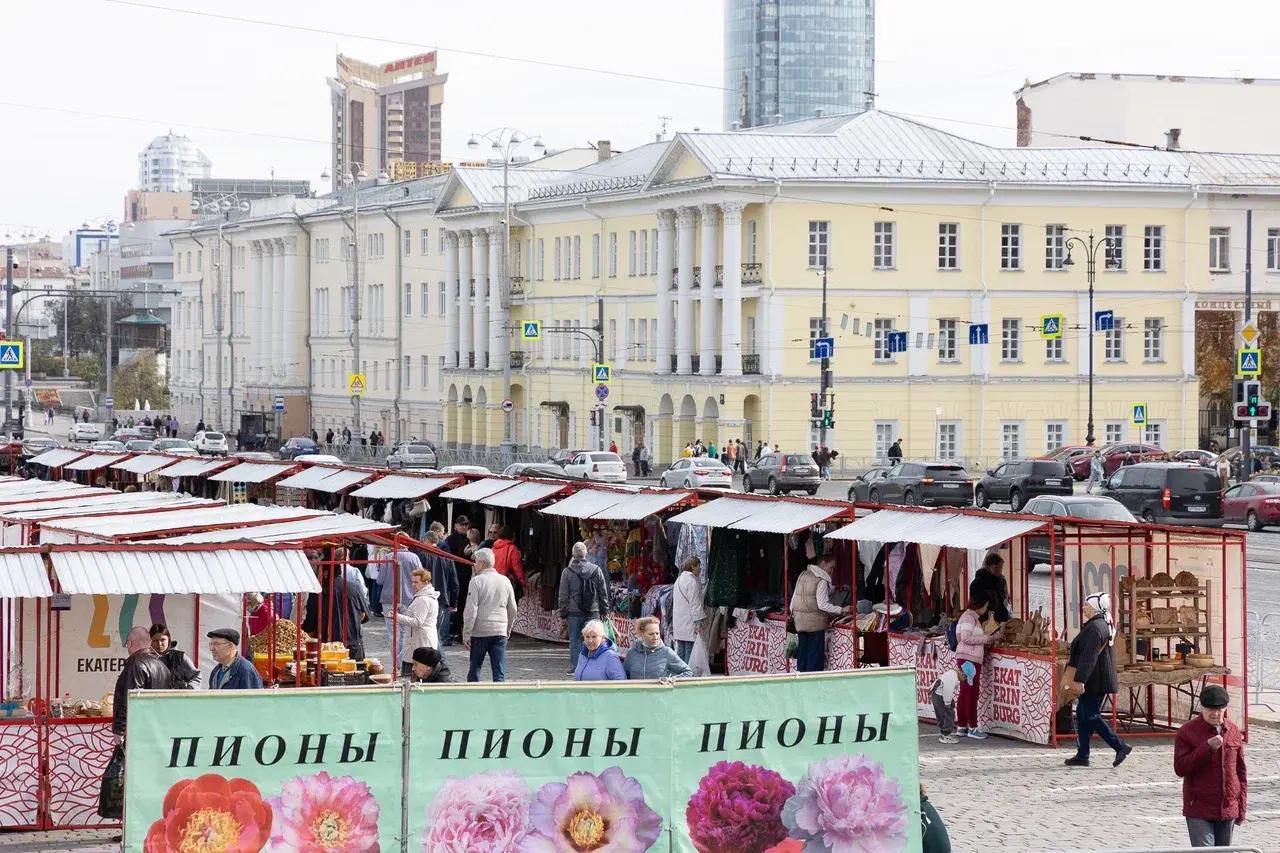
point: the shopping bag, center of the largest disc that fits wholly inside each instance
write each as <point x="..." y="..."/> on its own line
<point x="698" y="661"/>
<point x="610" y="632"/>
<point x="111" y="794"/>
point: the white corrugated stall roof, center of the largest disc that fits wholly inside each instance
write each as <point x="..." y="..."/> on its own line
<point x="720" y="512"/>
<point x="584" y="504"/>
<point x="340" y="480"/>
<point x="95" y="461"/>
<point x="114" y="504"/>
<point x="145" y="463"/>
<point x="183" y="572"/>
<point x="785" y="516"/>
<point x="253" y="472"/>
<point x="22" y="575"/>
<point x="478" y="489"/>
<point x="289" y="531"/>
<point x="523" y="494"/>
<point x="643" y="505"/>
<point x="57" y="496"/>
<point x="95" y="497"/>
<point x="948" y="529"/>
<point x="179" y="521"/>
<point x="57" y="457"/>
<point x="307" y="477"/>
<point x="195" y="467"/>
<point x="401" y="486"/>
<point x="29" y="490"/>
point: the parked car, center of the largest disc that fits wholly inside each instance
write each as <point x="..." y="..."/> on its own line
<point x="781" y="472"/>
<point x="210" y="443"/>
<point x="564" y="457"/>
<point x="542" y="470"/>
<point x="1072" y="506"/>
<point x="701" y="473"/>
<point x="140" y="445"/>
<point x="1018" y="480"/>
<point x="124" y="435"/>
<point x="924" y="484"/>
<point x="84" y="432"/>
<point x="413" y="454"/>
<point x="107" y="446"/>
<point x="860" y="488"/>
<point x="37" y="444"/>
<point x="253" y="456"/>
<point x="1113" y="457"/>
<point x="318" y="459"/>
<point x="1168" y="493"/>
<point x="1256" y="504"/>
<point x="176" y="446"/>
<point x="1069" y="453"/>
<point x="600" y="466"/>
<point x="146" y="431"/>
<point x="465" y="469"/>
<point x="1199" y="457"/>
<point x="297" y="446"/>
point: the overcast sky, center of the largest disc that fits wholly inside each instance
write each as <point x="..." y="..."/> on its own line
<point x="254" y="97"/>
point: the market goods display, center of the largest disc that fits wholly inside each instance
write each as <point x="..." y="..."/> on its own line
<point x="287" y="636"/>
<point x="1162" y="580"/>
<point x="1186" y="580"/>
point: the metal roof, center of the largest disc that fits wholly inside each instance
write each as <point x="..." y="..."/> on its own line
<point x="400" y="486"/>
<point x="60" y="495"/>
<point x="584" y="504"/>
<point x="22" y="575"/>
<point x="57" y="457"/>
<point x="307" y="478"/>
<point x="195" y="467"/>
<point x="146" y="463"/>
<point x="523" y="494"/>
<point x="30" y="490"/>
<point x="478" y="489"/>
<point x="340" y="480"/>
<point x="126" y="526"/>
<point x="253" y="472"/>
<point x="949" y="529"/>
<point x="112" y="505"/>
<point x="643" y="505"/>
<point x="720" y="512"/>
<point x="289" y="531"/>
<point x="94" y="461"/>
<point x="786" y="516"/>
<point x="177" y="572"/>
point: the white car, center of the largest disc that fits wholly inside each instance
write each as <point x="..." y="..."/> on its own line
<point x="599" y="466"/>
<point x="84" y="432"/>
<point x="211" y="443"/>
<point x="176" y="447"/>
<point x="701" y="473"/>
<point x="318" y="459"/>
<point x="465" y="469"/>
<point x="108" y="446"/>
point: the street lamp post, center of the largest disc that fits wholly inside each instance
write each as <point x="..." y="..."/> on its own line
<point x="352" y="181"/>
<point x="1091" y="248"/>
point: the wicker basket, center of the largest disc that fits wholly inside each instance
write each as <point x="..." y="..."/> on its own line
<point x="343" y="679"/>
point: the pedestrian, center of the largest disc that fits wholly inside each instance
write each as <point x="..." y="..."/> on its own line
<point x="1096" y="472"/>
<point x="990" y="583"/>
<point x="583" y="597"/>
<point x="142" y="670"/>
<point x="971" y="645"/>
<point x="232" y="671"/>
<point x="943" y="693"/>
<point x="444" y="574"/>
<point x="650" y="658"/>
<point x="183" y="674"/>
<point x="200" y="426"/>
<point x="491" y="535"/>
<point x="597" y="658"/>
<point x="711" y="450"/>
<point x="686" y="607"/>
<point x="812" y="612"/>
<point x="646" y="460"/>
<point x="1128" y="458"/>
<point x="455" y="543"/>
<point x="419" y="618"/>
<point x="487" y="620"/>
<point x="429" y="667"/>
<point x="895" y="451"/>
<point x="613" y="446"/>
<point x="328" y="437"/>
<point x="1208" y="754"/>
<point x="759" y="448"/>
<point x="474" y="538"/>
<point x="507" y="560"/>
<point x="259" y="612"/>
<point x="346" y="436"/>
<point x="687" y="453"/>
<point x="731" y="456"/>
<point x="934" y="837"/>
<point x="354" y="603"/>
<point x="398" y="577"/>
<point x="1091" y="673"/>
<point x="1224" y="470"/>
<point x="635" y="458"/>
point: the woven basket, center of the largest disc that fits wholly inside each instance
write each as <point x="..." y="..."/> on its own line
<point x="343" y="679"/>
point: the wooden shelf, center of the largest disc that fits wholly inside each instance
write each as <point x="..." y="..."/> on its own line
<point x="1135" y="600"/>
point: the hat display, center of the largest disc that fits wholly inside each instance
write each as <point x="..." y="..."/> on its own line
<point x="1214" y="696"/>
<point x="426" y="656"/>
<point x="231" y="635"/>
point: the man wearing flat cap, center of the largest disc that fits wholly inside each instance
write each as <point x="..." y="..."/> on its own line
<point x="429" y="667"/>
<point x="1208" y="754"/>
<point x="233" y="672"/>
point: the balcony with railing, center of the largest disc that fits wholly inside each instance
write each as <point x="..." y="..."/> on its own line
<point x="752" y="273"/>
<point x="751" y="364"/>
<point x="516" y="359"/>
<point x="517" y="285"/>
<point x="697" y="276"/>
<point x="719" y="275"/>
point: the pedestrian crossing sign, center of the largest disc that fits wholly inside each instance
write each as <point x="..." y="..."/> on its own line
<point x="1051" y="326"/>
<point x="1139" y="414"/>
<point x="1248" y="362"/>
<point x="601" y="373"/>
<point x="355" y="384"/>
<point x="13" y="355"/>
<point x="531" y="330"/>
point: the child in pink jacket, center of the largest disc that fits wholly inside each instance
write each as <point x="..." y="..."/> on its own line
<point x="971" y="645"/>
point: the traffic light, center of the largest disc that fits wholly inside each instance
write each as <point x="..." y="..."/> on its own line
<point x="1253" y="397"/>
<point x="1249" y="403"/>
<point x="815" y="408"/>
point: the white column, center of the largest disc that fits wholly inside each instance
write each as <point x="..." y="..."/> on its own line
<point x="290" y="311"/>
<point x="465" y="342"/>
<point x="731" y="295"/>
<point x="684" y="292"/>
<point x="480" y="319"/>
<point x="450" y="299"/>
<point x="666" y="244"/>
<point x="497" y="300"/>
<point x="278" y="286"/>
<point x="261" y="309"/>
<point x="707" y="320"/>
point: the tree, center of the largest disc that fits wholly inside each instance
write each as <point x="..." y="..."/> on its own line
<point x="140" y="380"/>
<point x="1215" y="353"/>
<point x="87" y="332"/>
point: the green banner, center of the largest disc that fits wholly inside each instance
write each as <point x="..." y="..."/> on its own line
<point x="772" y="764"/>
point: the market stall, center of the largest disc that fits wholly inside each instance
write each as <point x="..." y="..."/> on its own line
<point x="408" y="495"/>
<point x="191" y="475"/>
<point x="252" y="482"/>
<point x="20" y="523"/>
<point x="93" y="469"/>
<point x="141" y="469"/>
<point x="132" y="528"/>
<point x="50" y="462"/>
<point x="321" y="486"/>
<point x="25" y="491"/>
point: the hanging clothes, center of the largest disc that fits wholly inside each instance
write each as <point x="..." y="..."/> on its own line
<point x="727" y="569"/>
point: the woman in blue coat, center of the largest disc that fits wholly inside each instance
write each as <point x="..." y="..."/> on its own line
<point x="598" y="661"/>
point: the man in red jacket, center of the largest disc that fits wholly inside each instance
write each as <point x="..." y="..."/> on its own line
<point x="1208" y="755"/>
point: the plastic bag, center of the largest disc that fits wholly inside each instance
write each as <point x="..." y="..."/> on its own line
<point x="698" y="661"/>
<point x="111" y="794"/>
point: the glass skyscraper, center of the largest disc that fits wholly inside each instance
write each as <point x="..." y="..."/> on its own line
<point x="790" y="58"/>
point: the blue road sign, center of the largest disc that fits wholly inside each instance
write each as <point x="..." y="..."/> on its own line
<point x="601" y="373"/>
<point x="977" y="334"/>
<point x="1248" y="362"/>
<point x="897" y="342"/>
<point x="12" y="355"/>
<point x="602" y="392"/>
<point x="110" y="402"/>
<point x="1139" y="414"/>
<point x="1104" y="321"/>
<point x="279" y="404"/>
<point x="531" y="330"/>
<point x="822" y="348"/>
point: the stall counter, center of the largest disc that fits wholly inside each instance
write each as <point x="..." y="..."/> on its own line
<point x="755" y="647"/>
<point x="76" y="751"/>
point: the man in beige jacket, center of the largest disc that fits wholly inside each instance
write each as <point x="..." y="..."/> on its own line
<point x="488" y="617"/>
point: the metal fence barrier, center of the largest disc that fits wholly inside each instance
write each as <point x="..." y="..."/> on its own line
<point x="1264" y="645"/>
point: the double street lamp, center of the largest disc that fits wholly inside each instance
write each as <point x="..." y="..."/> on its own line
<point x="1091" y="247"/>
<point x="351" y="180"/>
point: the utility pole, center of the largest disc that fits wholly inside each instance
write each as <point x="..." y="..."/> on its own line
<point x="1246" y="429"/>
<point x="8" y="328"/>
<point x="827" y="413"/>
<point x="355" y="300"/>
<point x="111" y="324"/>
<point x="217" y="324"/>
<point x="600" y="360"/>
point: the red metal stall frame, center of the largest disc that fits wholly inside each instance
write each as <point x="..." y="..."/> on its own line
<point x="92" y="475"/>
<point x="30" y="526"/>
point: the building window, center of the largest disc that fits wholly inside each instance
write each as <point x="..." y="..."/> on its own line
<point x="440" y="240"/>
<point x="424" y="372"/>
<point x="1113" y="342"/>
<point x="880" y="339"/>
<point x="1273" y="250"/>
<point x="1112" y="432"/>
<point x="882" y="438"/>
<point x="1010" y="440"/>
<point x="555" y="267"/>
<point x="948" y="443"/>
<point x="577" y="256"/>
<point x="815" y="331"/>
<point x="1114" y="254"/>
<point x="631" y="253"/>
<point x="1055" y="435"/>
<point x="541" y="259"/>
<point x="1153" y="433"/>
<point x="643" y="251"/>
<point x="426" y="243"/>
<point x="947" y="340"/>
<point x="882" y="246"/>
<point x="819" y="232"/>
<point x="642" y="341"/>
<point x="751" y="241"/>
<point x="1153" y="339"/>
<point x="1219" y="249"/>
<point x="1055" y="246"/>
<point x="1053" y="350"/>
<point x="1153" y="248"/>
<point x="444" y="295"/>
<point x="613" y="254"/>
<point x="408" y="369"/>
<point x="613" y="340"/>
<point x="1010" y="246"/>
<point x="425" y="299"/>
<point x="408" y="242"/>
<point x="595" y="255"/>
<point x="1010" y="339"/>
<point x="949" y="246"/>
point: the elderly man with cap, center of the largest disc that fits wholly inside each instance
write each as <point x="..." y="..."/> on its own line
<point x="1094" y="679"/>
<point x="143" y="670"/>
<point x="1208" y="754"/>
<point x="429" y="667"/>
<point x="232" y="672"/>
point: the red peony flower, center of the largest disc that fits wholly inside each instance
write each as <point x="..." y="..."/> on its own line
<point x="738" y="809"/>
<point x="211" y="814"/>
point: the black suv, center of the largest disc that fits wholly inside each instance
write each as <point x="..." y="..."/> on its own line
<point x="924" y="484"/>
<point x="1168" y="493"/>
<point x="1019" y="480"/>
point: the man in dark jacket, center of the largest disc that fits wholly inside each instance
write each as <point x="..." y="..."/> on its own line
<point x="1208" y="754"/>
<point x="1094" y="680"/>
<point x="232" y="671"/>
<point x="142" y="671"/>
<point x="990" y="582"/>
<point x="895" y="451"/>
<point x="456" y="544"/>
<point x="584" y="595"/>
<point x="444" y="575"/>
<point x="429" y="667"/>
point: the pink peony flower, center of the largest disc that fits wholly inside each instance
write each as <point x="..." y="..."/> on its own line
<point x="847" y="804"/>
<point x="484" y="813"/>
<point x="600" y="814"/>
<point x="738" y="809"/>
<point x="324" y="814"/>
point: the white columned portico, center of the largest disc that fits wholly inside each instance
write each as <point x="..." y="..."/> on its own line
<point x="450" y="299"/>
<point x="290" y="308"/>
<point x="684" y="292"/>
<point x="707" y="319"/>
<point x="261" y="309"/>
<point x="465" y="342"/>
<point x="279" y="284"/>
<point x="731" y="294"/>
<point x="480" y="317"/>
<point x="497" y="301"/>
<point x="662" y="336"/>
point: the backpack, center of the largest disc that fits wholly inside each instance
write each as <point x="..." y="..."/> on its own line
<point x="953" y="641"/>
<point x="587" y="594"/>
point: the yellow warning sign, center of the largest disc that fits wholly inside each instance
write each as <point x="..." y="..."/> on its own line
<point x="355" y="384"/>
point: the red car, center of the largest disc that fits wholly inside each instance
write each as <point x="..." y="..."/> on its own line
<point x="1069" y="453"/>
<point x="1113" y="458"/>
<point x="1256" y="504"/>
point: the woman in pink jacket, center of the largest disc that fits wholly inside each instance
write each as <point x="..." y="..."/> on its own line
<point x="971" y="645"/>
